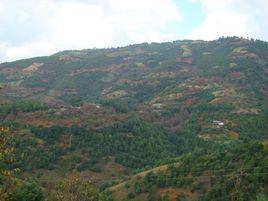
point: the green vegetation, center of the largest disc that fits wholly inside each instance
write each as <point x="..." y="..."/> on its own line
<point x="240" y="173"/>
<point x="16" y="107"/>
<point x="26" y="192"/>
<point x="109" y="116"/>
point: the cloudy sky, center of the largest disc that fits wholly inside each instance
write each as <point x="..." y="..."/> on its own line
<point x="41" y="27"/>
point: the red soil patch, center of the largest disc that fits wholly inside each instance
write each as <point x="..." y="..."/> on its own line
<point x="185" y="59"/>
<point x="173" y="193"/>
<point x="236" y="74"/>
<point x="265" y="70"/>
<point x="234" y="135"/>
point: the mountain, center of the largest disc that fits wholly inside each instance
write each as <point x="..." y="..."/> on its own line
<point x="105" y="115"/>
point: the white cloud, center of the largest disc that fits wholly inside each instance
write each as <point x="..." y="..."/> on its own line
<point x="32" y="28"/>
<point x="23" y="17"/>
<point x="231" y="18"/>
<point x="79" y="25"/>
<point x="41" y="27"/>
<point x="26" y="50"/>
<point x="216" y="25"/>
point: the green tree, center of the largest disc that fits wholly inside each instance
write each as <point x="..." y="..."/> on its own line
<point x="262" y="197"/>
<point x="131" y="195"/>
<point x="27" y="192"/>
<point x="6" y="158"/>
<point x="137" y="187"/>
<point x="74" y="189"/>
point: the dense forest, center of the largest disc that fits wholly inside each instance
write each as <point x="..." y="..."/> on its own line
<point x="182" y="120"/>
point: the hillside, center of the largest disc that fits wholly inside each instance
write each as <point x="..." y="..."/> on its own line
<point x="105" y="115"/>
<point x="216" y="175"/>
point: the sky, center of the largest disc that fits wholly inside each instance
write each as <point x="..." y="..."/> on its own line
<point x="32" y="28"/>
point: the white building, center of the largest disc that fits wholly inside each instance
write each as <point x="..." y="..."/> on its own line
<point x="218" y="123"/>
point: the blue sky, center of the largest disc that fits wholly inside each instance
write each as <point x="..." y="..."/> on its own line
<point x="42" y="27"/>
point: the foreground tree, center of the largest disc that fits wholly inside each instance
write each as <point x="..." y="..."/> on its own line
<point x="6" y="157"/>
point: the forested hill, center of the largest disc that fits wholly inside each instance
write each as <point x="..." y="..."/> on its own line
<point x="223" y="80"/>
<point x="106" y="115"/>
<point x="228" y="70"/>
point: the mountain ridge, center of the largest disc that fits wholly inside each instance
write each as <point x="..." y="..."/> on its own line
<point x="108" y="114"/>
